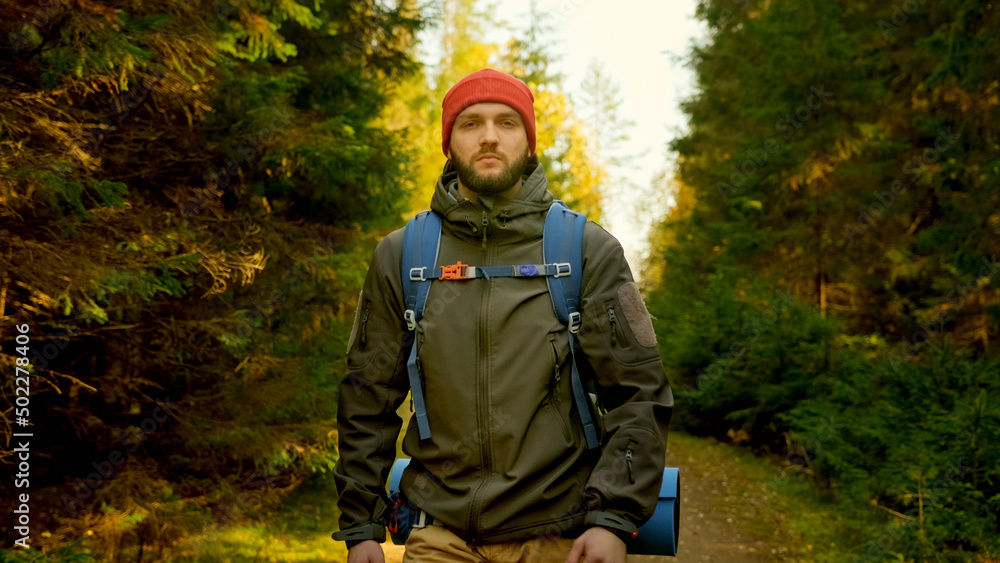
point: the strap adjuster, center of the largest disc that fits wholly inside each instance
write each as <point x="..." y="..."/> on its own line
<point x="457" y="271"/>
<point x="410" y="316"/>
<point x="423" y="519"/>
<point x="418" y="274"/>
<point x="613" y="522"/>
<point x="575" y="322"/>
<point x="562" y="269"/>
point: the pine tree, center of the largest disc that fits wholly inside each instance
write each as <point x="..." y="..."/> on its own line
<point x="564" y="149"/>
<point x="600" y="103"/>
<point x="182" y="191"/>
<point x="833" y="261"/>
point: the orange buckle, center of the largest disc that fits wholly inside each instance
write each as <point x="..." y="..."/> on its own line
<point x="457" y="271"/>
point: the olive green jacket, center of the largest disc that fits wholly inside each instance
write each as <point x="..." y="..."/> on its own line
<point x="507" y="458"/>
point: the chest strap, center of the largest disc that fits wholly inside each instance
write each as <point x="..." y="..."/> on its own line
<point x="460" y="271"/>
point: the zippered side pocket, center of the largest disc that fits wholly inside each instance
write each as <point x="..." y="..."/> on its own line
<point x="363" y="329"/>
<point x="556" y="375"/>
<point x="618" y="337"/>
<point x="361" y="310"/>
<point x="554" y="388"/>
<point x="629" y="450"/>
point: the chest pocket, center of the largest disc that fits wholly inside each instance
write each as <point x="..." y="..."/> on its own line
<point x="372" y="338"/>
<point x="627" y="325"/>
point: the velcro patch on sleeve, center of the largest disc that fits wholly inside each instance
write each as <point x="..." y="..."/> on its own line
<point x="636" y="314"/>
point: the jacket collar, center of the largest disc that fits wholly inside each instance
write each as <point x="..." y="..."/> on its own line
<point x="522" y="216"/>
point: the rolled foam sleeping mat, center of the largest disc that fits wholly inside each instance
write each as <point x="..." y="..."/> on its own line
<point x="658" y="536"/>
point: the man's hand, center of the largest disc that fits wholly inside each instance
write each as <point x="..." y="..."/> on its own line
<point x="370" y="551"/>
<point x="597" y="545"/>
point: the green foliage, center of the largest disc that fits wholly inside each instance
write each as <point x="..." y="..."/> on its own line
<point x="58" y="192"/>
<point x="73" y="552"/>
<point x="340" y="173"/>
<point x="257" y="36"/>
<point x="828" y="283"/>
<point x="90" y="47"/>
<point x="741" y="361"/>
<point x="917" y="437"/>
<point x="142" y="283"/>
<point x="182" y="190"/>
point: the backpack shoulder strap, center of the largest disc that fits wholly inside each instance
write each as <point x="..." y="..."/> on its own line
<point x="562" y="243"/>
<point x="421" y="241"/>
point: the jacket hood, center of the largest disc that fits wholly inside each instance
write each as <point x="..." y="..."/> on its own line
<point x="520" y="216"/>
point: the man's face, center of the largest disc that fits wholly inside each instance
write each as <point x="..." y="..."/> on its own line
<point x="489" y="147"/>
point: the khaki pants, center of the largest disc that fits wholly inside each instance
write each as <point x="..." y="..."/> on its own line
<point x="436" y="544"/>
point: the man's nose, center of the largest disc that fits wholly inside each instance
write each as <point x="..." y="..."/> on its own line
<point x="490" y="135"/>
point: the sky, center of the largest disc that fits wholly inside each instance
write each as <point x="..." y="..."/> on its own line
<point x="642" y="44"/>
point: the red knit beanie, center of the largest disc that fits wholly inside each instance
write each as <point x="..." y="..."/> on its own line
<point x="488" y="85"/>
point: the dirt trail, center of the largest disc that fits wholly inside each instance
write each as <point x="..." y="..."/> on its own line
<point x="706" y="504"/>
<point x="707" y="501"/>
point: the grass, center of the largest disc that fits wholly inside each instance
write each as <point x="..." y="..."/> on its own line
<point x="299" y="532"/>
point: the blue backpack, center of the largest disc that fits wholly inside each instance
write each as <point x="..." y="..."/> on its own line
<point x="562" y="254"/>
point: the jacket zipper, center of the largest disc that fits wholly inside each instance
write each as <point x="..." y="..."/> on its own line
<point x="628" y="462"/>
<point x="482" y="388"/>
<point x="485" y="223"/>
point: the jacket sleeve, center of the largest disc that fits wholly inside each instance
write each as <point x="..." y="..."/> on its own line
<point x="618" y="340"/>
<point x="373" y="388"/>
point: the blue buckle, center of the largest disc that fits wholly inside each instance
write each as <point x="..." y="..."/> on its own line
<point x="418" y="274"/>
<point x="563" y="269"/>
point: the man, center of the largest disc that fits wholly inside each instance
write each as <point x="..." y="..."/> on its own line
<point x="506" y="474"/>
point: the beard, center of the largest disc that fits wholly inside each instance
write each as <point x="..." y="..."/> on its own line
<point x="494" y="183"/>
